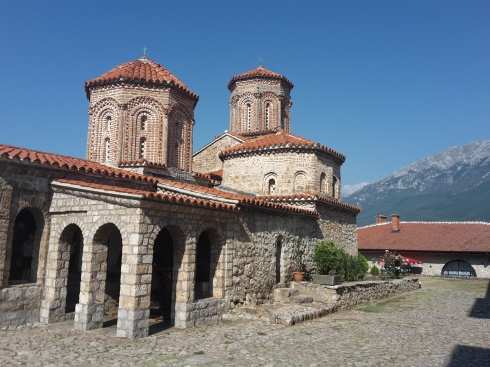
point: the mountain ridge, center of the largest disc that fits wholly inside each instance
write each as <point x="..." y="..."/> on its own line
<point x="450" y="185"/>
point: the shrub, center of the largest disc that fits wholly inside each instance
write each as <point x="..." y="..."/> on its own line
<point x="392" y="264"/>
<point x="374" y="270"/>
<point x="329" y="257"/>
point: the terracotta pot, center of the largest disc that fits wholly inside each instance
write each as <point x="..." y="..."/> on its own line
<point x="299" y="276"/>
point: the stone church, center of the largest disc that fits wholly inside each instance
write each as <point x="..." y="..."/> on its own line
<point x="144" y="231"/>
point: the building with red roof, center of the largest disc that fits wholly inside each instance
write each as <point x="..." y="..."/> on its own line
<point x="452" y="249"/>
<point x="143" y="232"/>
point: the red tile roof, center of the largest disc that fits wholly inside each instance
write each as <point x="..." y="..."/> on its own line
<point x="68" y="163"/>
<point x="310" y="197"/>
<point x="259" y="72"/>
<point x="427" y="236"/>
<point x="141" y="71"/>
<point x="279" y="141"/>
<point x="141" y="163"/>
<point x="175" y="198"/>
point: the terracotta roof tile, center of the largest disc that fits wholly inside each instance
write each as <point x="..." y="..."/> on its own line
<point x="140" y="71"/>
<point x="427" y="236"/>
<point x="310" y="197"/>
<point x="279" y="141"/>
<point x="68" y="163"/>
<point x="175" y="198"/>
<point x="258" y="72"/>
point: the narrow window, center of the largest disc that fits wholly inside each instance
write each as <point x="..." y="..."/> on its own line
<point x="323" y="183"/>
<point x="249" y="116"/>
<point x="142" y="148"/>
<point x="335" y="187"/>
<point x="267" y="115"/>
<point x="143" y="121"/>
<point x="108" y="122"/>
<point x="107" y="150"/>
<point x="271" y="186"/>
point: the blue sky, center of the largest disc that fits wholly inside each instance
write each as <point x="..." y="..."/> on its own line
<point x="384" y="82"/>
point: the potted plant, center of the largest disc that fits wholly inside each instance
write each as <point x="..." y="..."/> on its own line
<point x="328" y="261"/>
<point x="299" y="276"/>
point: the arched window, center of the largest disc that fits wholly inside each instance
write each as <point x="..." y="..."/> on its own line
<point x="142" y="148"/>
<point x="249" y="116"/>
<point x="271" y="186"/>
<point x="323" y="183"/>
<point x="335" y="184"/>
<point x="108" y="122"/>
<point x="300" y="182"/>
<point x="107" y="150"/>
<point x="143" y="121"/>
<point x="267" y="115"/>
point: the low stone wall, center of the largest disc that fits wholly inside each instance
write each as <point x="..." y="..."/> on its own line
<point x="19" y="305"/>
<point x="347" y="295"/>
<point x="204" y="312"/>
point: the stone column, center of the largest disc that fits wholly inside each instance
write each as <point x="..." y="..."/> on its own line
<point x="184" y="294"/>
<point x="89" y="312"/>
<point x="134" y="299"/>
<point x="53" y="304"/>
<point x="5" y="202"/>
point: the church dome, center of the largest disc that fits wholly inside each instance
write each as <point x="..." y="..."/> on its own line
<point x="259" y="72"/>
<point x="142" y="71"/>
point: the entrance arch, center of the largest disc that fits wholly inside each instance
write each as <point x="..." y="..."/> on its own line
<point x="28" y="227"/>
<point x="72" y="243"/>
<point x="107" y="253"/>
<point x="209" y="273"/>
<point x="458" y="269"/>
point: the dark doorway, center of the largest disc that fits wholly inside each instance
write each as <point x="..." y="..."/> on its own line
<point x="72" y="237"/>
<point x="162" y="277"/>
<point x="458" y="269"/>
<point x="27" y="233"/>
<point x="278" y="255"/>
<point x="113" y="281"/>
<point x="204" y="280"/>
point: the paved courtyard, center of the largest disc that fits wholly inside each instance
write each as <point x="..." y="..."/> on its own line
<point x="446" y="323"/>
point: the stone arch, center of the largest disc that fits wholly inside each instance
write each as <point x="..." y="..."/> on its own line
<point x="300" y="182"/>
<point x="209" y="271"/>
<point x="70" y="253"/>
<point x="458" y="269"/>
<point x="270" y="184"/>
<point x="27" y="231"/>
<point x="168" y="249"/>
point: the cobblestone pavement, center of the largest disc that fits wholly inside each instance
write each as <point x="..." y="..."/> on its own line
<point x="446" y="323"/>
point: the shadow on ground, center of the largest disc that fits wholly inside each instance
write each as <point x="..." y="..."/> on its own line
<point x="465" y="356"/>
<point x="481" y="307"/>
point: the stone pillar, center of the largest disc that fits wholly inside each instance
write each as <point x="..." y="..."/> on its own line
<point x="53" y="304"/>
<point x="134" y="299"/>
<point x="5" y="203"/>
<point x="89" y="312"/>
<point x="184" y="294"/>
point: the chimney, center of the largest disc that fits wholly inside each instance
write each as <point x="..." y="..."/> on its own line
<point x="380" y="218"/>
<point x="395" y="223"/>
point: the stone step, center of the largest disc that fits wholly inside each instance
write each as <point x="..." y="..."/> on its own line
<point x="282" y="295"/>
<point x="292" y="314"/>
<point x="300" y="299"/>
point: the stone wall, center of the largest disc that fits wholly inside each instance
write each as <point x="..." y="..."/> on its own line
<point x="19" y="305"/>
<point x="207" y="160"/>
<point x="292" y="171"/>
<point x="339" y="226"/>
<point x="348" y="295"/>
<point x="433" y="262"/>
